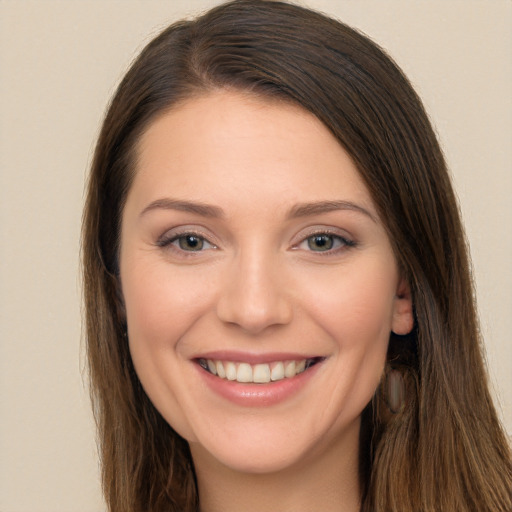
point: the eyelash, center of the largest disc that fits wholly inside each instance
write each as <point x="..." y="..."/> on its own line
<point x="344" y="243"/>
<point x="173" y="242"/>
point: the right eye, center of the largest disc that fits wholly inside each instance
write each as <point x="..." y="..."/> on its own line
<point x="191" y="243"/>
<point x="325" y="242"/>
<point x="186" y="242"/>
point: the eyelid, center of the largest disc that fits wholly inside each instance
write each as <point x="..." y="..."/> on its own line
<point x="174" y="234"/>
<point x="302" y="237"/>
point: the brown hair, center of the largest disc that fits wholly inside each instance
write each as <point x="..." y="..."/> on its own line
<point x="444" y="449"/>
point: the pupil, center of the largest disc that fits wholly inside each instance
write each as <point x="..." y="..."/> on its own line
<point x="191" y="243"/>
<point x="320" y="242"/>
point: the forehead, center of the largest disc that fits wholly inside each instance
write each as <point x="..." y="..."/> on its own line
<point x="226" y="143"/>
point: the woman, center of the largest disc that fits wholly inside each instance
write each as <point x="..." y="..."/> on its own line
<point x="276" y="281"/>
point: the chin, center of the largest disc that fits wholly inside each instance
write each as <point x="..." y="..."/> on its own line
<point x="266" y="447"/>
<point x="252" y="458"/>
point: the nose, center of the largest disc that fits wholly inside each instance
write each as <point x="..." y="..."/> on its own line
<point x="254" y="295"/>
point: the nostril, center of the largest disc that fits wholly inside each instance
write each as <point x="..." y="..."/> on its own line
<point x="254" y="312"/>
<point x="254" y="295"/>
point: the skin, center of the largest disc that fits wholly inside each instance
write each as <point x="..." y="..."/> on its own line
<point x="259" y="285"/>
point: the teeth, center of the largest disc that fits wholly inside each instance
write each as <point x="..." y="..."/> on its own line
<point x="211" y="366"/>
<point x="290" y="369"/>
<point x="261" y="373"/>
<point x="220" y="370"/>
<point x="230" y="371"/>
<point x="244" y="373"/>
<point x="258" y="373"/>
<point x="277" y="372"/>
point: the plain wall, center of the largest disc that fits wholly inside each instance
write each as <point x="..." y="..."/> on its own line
<point x="60" y="62"/>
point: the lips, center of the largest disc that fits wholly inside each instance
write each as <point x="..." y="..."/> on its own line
<point x="260" y="373"/>
<point x="250" y="380"/>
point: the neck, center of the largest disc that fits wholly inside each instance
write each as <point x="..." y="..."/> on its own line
<point x="328" y="481"/>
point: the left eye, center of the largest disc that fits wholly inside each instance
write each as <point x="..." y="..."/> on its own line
<point x="323" y="242"/>
<point x="191" y="243"/>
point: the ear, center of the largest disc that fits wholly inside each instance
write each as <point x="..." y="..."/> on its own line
<point x="403" y="317"/>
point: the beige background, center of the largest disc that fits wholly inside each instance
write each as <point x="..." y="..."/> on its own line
<point x="60" y="62"/>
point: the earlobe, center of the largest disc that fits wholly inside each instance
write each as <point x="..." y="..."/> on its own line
<point x="403" y="317"/>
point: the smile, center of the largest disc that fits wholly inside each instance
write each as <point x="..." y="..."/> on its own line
<point x="262" y="373"/>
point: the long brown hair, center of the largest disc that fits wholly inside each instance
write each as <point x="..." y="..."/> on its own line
<point x="444" y="449"/>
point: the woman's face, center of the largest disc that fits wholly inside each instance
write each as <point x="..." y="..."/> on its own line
<point x="259" y="283"/>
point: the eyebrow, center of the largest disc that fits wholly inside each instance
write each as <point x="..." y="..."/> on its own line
<point x="298" y="210"/>
<point x="315" y="208"/>
<point x="198" y="208"/>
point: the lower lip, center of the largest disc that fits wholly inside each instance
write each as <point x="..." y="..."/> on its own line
<point x="258" y="395"/>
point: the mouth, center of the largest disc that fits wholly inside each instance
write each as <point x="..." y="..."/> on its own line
<point x="262" y="373"/>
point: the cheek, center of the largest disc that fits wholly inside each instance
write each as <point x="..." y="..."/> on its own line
<point x="161" y="304"/>
<point x="356" y="306"/>
<point x="353" y="305"/>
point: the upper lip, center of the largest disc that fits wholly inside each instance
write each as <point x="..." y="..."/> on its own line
<point x="252" y="357"/>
